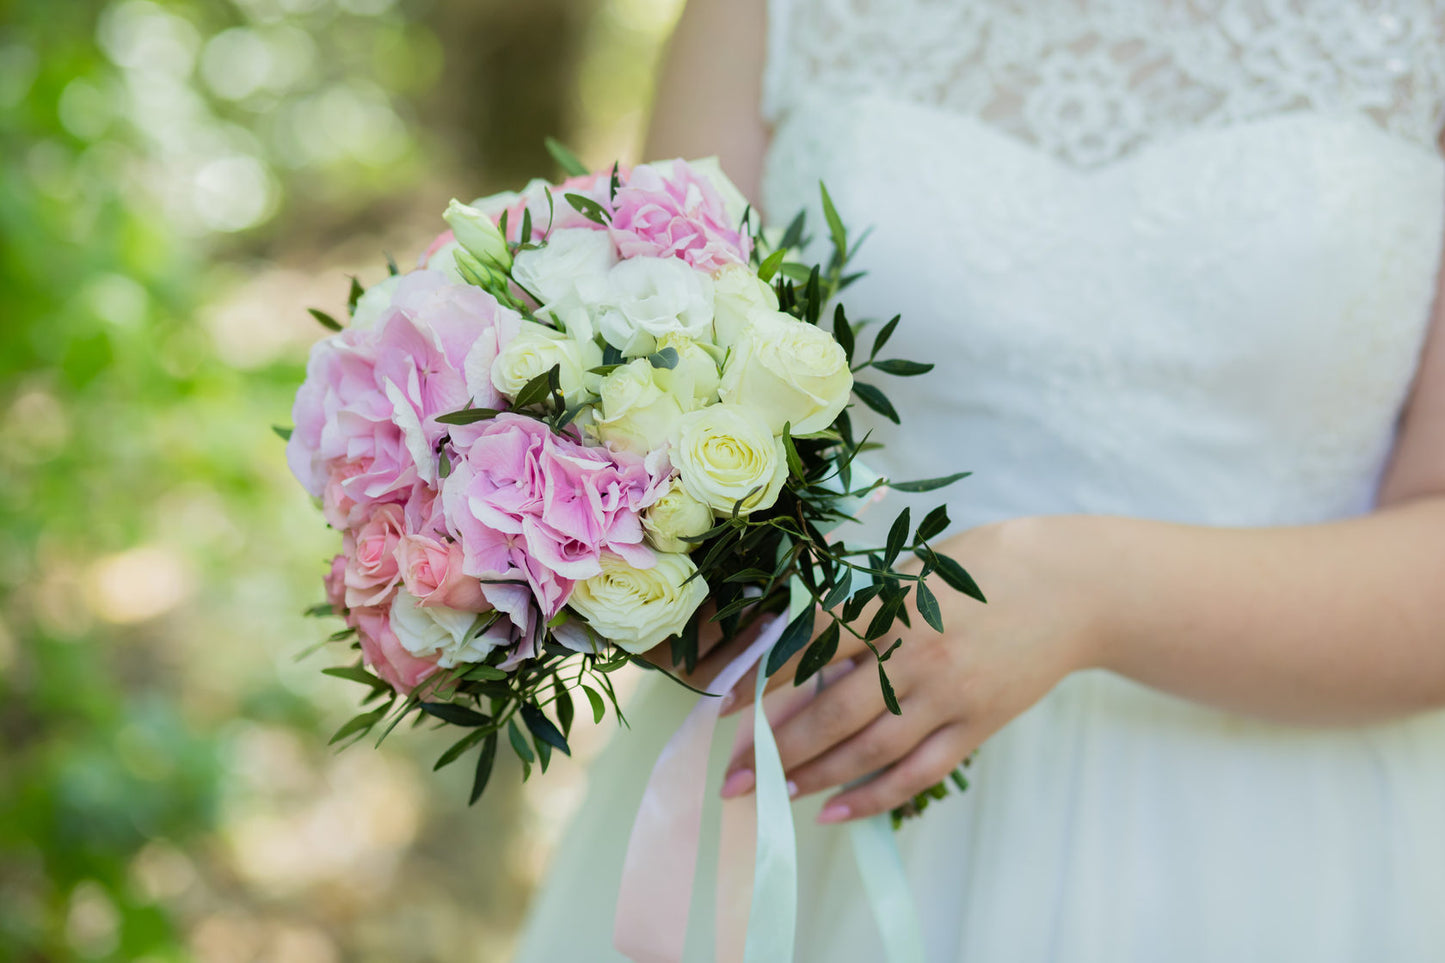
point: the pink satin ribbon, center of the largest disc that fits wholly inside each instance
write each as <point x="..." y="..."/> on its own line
<point x="657" y="874"/>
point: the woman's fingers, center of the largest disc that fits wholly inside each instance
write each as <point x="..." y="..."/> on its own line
<point x="932" y="760"/>
<point x="849" y="647"/>
<point x="885" y="740"/>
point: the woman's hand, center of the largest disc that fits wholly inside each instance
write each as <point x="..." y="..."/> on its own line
<point x="955" y="689"/>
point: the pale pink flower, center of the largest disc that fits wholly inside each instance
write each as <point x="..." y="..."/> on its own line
<point x="677" y="214"/>
<point x="372" y="572"/>
<point x="336" y="586"/>
<point x="384" y="653"/>
<point x="432" y="572"/>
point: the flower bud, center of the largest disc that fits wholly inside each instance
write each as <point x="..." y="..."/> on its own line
<point x="478" y="235"/>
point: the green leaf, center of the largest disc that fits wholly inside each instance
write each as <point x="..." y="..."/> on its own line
<point x="318" y="610"/>
<point x="485" y="673"/>
<point x="599" y="709"/>
<point x="666" y="358"/>
<point x="859" y="601"/>
<point x="485" y="758"/>
<point x="835" y="223"/>
<point x="565" y="710"/>
<point x="795" y="463"/>
<point x="614" y="183"/>
<point x="903" y="369"/>
<point x="897" y="538"/>
<point x="843" y="332"/>
<point x="933" y="524"/>
<point x="959" y="779"/>
<point x="565" y="159"/>
<point x="876" y="400"/>
<point x="794" y="637"/>
<point x="360" y="723"/>
<point x="285" y="433"/>
<point x="459" y="747"/>
<point x="883" y="335"/>
<point x="839" y="593"/>
<point x="467" y="416"/>
<point x="819" y="654"/>
<point x="354" y="296"/>
<point x="770" y="265"/>
<point x="611" y="356"/>
<point x="813" y="293"/>
<point x="927" y="604"/>
<point x="604" y="369"/>
<point x="444" y="465"/>
<point x="793" y="236"/>
<point x="952" y="573"/>
<point x="327" y="321"/>
<point x="354" y="673"/>
<point x="589" y="209"/>
<point x="928" y="484"/>
<point x="536" y="390"/>
<point x="890" y="699"/>
<point x="544" y="753"/>
<point x="883" y="618"/>
<point x="391" y="267"/>
<point x="455" y="714"/>
<point x="543" y="728"/>
<point x="519" y="742"/>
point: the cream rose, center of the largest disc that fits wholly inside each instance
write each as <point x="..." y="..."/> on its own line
<point x="637" y="415"/>
<point x="534" y="350"/>
<point x="738" y="297"/>
<point x="674" y="517"/>
<point x="648" y="297"/>
<point x="790" y="372"/>
<point x="636" y="608"/>
<point x="570" y="257"/>
<point x="434" y="630"/>
<point x="725" y="453"/>
<point x="694" y="379"/>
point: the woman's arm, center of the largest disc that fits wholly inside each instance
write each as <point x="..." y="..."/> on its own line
<point x="710" y="89"/>
<point x="1336" y="623"/>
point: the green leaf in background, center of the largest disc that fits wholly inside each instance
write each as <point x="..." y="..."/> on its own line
<point x="928" y="484"/>
<point x="770" y="265"/>
<point x="359" y="723"/>
<point x="884" y="335"/>
<point x="839" y="593"/>
<point x="843" y="331"/>
<point x="819" y="654"/>
<point x="897" y="538"/>
<point x="326" y="320"/>
<point x="353" y="296"/>
<point x="598" y="708"/>
<point x="794" y="637"/>
<point x="565" y="159"/>
<point x="460" y="747"/>
<point x="354" y="673"/>
<point x="835" y="223"/>
<point x="284" y="433"/>
<point x="519" y="742"/>
<point x="927" y="604"/>
<point x="485" y="759"/>
<point x="455" y="714"/>
<point x="952" y="573"/>
<point x="903" y="369"/>
<point x="933" y="524"/>
<point x="543" y="728"/>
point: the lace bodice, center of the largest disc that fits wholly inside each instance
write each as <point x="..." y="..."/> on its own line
<point x="1091" y="80"/>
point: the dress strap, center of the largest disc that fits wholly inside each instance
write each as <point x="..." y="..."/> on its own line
<point x="777" y="69"/>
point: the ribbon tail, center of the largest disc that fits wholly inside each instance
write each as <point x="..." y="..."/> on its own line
<point x="876" y="851"/>
<point x="773" y="920"/>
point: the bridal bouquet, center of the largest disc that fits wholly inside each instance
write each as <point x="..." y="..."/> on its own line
<point x="592" y="408"/>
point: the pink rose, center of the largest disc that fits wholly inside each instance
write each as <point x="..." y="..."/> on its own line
<point x="441" y="240"/>
<point x="372" y="572"/>
<point x="562" y="214"/>
<point x="336" y="586"/>
<point x="680" y="214"/>
<point x="529" y="504"/>
<point x="432" y="573"/>
<point x="384" y="653"/>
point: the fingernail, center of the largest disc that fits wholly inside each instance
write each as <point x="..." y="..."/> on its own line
<point x="738" y="783"/>
<point x="727" y="702"/>
<point x="834" y="813"/>
<point x="792" y="789"/>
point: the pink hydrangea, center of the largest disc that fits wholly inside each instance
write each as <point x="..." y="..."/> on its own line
<point x="365" y="430"/>
<point x="530" y="505"/>
<point x="679" y="214"/>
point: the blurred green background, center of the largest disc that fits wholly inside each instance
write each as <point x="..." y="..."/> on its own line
<point x="179" y="180"/>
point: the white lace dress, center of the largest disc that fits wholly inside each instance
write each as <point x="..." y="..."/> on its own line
<point x="1175" y="259"/>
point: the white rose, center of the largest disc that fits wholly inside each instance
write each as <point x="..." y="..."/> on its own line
<point x="694" y="380"/>
<point x="372" y="305"/>
<point x="476" y="233"/>
<point x="648" y="297"/>
<point x="428" y="630"/>
<point x="738" y="298"/>
<point x="534" y="350"/>
<point x="790" y="372"/>
<point x="725" y="453"/>
<point x="637" y="608"/>
<point x="636" y="414"/>
<point x="552" y="271"/>
<point x="674" y="517"/>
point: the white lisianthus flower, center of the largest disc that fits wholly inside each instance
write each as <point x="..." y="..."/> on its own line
<point x="372" y="305"/>
<point x="739" y="296"/>
<point x="435" y="630"/>
<point x="534" y="350"/>
<point x="648" y="297"/>
<point x="727" y="452"/>
<point x="636" y="608"/>
<point x="476" y="233"/>
<point x="674" y="517"/>
<point x="695" y="378"/>
<point x="553" y="271"/>
<point x="637" y="415"/>
<point x="790" y="372"/>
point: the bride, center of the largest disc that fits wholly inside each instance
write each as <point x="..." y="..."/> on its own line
<point x="1175" y="261"/>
